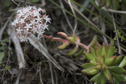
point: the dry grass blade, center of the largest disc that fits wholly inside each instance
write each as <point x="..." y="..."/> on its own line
<point x="66" y="15"/>
<point x="15" y="2"/>
<point x="103" y="28"/>
<point x="3" y="28"/>
<point x="35" y="42"/>
<point x="20" y="56"/>
<point x="75" y="27"/>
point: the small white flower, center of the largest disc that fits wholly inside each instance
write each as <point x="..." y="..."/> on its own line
<point x="19" y="30"/>
<point x="25" y="10"/>
<point x="28" y="26"/>
<point x="21" y="21"/>
<point x="47" y="19"/>
<point x="39" y="26"/>
<point x="30" y="20"/>
<point x="46" y="26"/>
<point x="16" y="21"/>
<point x="34" y="30"/>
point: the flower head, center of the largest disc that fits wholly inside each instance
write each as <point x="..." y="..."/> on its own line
<point x="29" y="20"/>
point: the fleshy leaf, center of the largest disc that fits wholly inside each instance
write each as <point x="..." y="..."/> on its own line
<point x="89" y="56"/>
<point x="87" y="69"/>
<point x="98" y="67"/>
<point x="64" y="45"/>
<point x="71" y="39"/>
<point x="107" y="74"/>
<point x="92" y="50"/>
<point x="88" y="65"/>
<point x="79" y="53"/>
<point x="73" y="51"/>
<point x="115" y="81"/>
<point x="116" y="69"/>
<point x="63" y="34"/>
<point x="92" y="71"/>
<point x="98" y="51"/>
<point x="111" y="50"/>
<point x="96" y="78"/>
<point x="103" y="79"/>
<point x="93" y="41"/>
<point x="119" y="77"/>
<point x="110" y="60"/>
<point x="123" y="62"/>
<point x="104" y="49"/>
<point x="117" y="60"/>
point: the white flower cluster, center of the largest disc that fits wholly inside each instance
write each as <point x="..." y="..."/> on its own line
<point x="30" y="20"/>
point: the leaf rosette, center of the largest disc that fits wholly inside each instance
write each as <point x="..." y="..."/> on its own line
<point x="102" y="64"/>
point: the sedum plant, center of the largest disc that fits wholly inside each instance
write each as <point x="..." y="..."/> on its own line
<point x="29" y="24"/>
<point x="102" y="64"/>
<point x="75" y="40"/>
<point x="102" y="61"/>
<point x="30" y="20"/>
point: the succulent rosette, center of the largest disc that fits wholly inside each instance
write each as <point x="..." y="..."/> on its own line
<point x="30" y="20"/>
<point x="103" y="64"/>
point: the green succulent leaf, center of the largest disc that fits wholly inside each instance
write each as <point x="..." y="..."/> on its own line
<point x="116" y="69"/>
<point x="103" y="79"/>
<point x="73" y="51"/>
<point x="84" y="58"/>
<point x="98" y="45"/>
<point x="79" y="53"/>
<point x="123" y="62"/>
<point x="88" y="65"/>
<point x="98" y="51"/>
<point x="93" y="62"/>
<point x="98" y="67"/>
<point x="111" y="50"/>
<point x="99" y="78"/>
<point x="117" y="60"/>
<point x="71" y="39"/>
<point x="92" y="50"/>
<point x="93" y="41"/>
<point x="96" y="78"/>
<point x="98" y="60"/>
<point x="92" y="71"/>
<point x="103" y="58"/>
<point x="87" y="69"/>
<point x="115" y="81"/>
<point x="89" y="56"/>
<point x="64" y="45"/>
<point x="104" y="49"/>
<point x="107" y="74"/>
<point x="110" y="60"/>
<point x="119" y="77"/>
